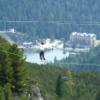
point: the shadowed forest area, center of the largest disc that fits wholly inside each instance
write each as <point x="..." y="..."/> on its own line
<point x="49" y="18"/>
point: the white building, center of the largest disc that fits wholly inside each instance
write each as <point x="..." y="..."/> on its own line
<point x="12" y="30"/>
<point x="83" y="39"/>
<point x="27" y="44"/>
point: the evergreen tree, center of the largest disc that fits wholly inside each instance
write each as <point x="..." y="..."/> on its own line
<point x="8" y="92"/>
<point x="2" y="97"/>
<point x="68" y="85"/>
<point x="98" y="95"/>
<point x="59" y="86"/>
<point x="5" y="69"/>
<point x="23" y="97"/>
<point x="19" y="69"/>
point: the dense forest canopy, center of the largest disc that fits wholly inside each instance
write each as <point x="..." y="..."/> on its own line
<point x="12" y="70"/>
<point x="56" y="83"/>
<point x="51" y="18"/>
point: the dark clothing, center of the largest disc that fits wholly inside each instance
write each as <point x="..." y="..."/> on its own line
<point x="42" y="55"/>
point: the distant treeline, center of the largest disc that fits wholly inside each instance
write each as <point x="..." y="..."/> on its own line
<point x="55" y="19"/>
<point x="83" y="61"/>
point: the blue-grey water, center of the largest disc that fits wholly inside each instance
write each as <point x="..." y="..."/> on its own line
<point x="33" y="57"/>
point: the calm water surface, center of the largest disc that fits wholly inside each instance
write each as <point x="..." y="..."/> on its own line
<point x="33" y="57"/>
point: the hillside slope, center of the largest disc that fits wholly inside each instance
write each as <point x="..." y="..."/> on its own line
<point x="73" y="86"/>
<point x="50" y="18"/>
<point x="54" y="83"/>
<point x="4" y="43"/>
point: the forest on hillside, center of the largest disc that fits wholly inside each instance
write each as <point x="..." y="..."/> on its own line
<point x="55" y="83"/>
<point x="83" y="61"/>
<point x="49" y="18"/>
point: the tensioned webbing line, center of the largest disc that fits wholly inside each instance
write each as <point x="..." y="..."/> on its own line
<point x="10" y="53"/>
<point x="86" y="64"/>
<point x="54" y="22"/>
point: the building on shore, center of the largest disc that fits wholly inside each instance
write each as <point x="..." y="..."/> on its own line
<point x="83" y="39"/>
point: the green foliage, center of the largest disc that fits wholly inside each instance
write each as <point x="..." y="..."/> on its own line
<point x="8" y="92"/>
<point x="4" y="44"/>
<point x="59" y="86"/>
<point x="23" y="97"/>
<point x="70" y="85"/>
<point x="12" y="70"/>
<point x="5" y="69"/>
<point x="45" y="77"/>
<point x="98" y="95"/>
<point x="19" y="69"/>
<point x="2" y="97"/>
<point x="74" y="86"/>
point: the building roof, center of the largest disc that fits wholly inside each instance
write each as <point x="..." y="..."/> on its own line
<point x="83" y="34"/>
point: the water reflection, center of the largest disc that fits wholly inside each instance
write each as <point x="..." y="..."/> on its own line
<point x="33" y="57"/>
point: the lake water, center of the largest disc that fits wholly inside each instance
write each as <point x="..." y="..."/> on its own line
<point x="33" y="57"/>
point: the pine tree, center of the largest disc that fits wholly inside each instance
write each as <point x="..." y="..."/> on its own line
<point x="59" y="86"/>
<point x="23" y="97"/>
<point x="8" y="92"/>
<point x="2" y="97"/>
<point x="5" y="69"/>
<point x="19" y="69"/>
<point x="98" y="95"/>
